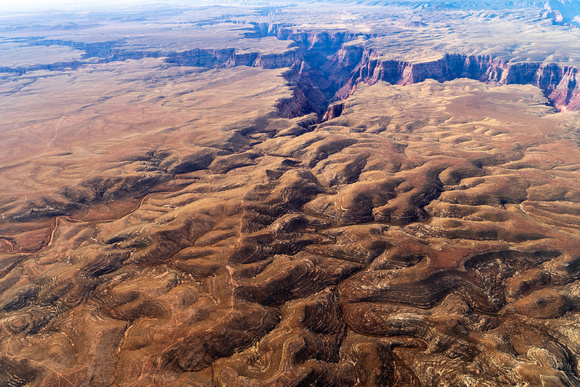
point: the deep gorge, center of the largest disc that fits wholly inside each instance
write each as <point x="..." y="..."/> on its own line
<point x="325" y="67"/>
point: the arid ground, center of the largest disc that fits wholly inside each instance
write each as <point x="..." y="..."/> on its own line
<point x="246" y="193"/>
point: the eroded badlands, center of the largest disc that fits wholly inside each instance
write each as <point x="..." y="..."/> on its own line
<point x="307" y="208"/>
<point x="428" y="235"/>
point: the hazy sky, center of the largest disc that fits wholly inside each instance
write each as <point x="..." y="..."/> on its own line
<point x="28" y="5"/>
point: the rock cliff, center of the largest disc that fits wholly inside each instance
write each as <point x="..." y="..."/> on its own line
<point x="558" y="82"/>
<point x="328" y="66"/>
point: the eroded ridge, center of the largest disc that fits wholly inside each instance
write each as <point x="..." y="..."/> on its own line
<point x="428" y="235"/>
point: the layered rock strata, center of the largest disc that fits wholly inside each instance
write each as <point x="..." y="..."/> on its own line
<point x="558" y="82"/>
<point x="328" y="66"/>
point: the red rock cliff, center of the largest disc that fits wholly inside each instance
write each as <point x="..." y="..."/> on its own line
<point x="558" y="82"/>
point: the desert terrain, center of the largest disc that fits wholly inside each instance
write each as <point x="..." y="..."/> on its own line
<point x="247" y="193"/>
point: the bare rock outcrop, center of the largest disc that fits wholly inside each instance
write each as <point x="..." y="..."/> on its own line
<point x="558" y="82"/>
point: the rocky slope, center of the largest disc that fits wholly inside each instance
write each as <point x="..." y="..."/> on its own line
<point x="558" y="82"/>
<point x="426" y="236"/>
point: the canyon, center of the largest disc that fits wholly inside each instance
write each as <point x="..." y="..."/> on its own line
<point x="233" y="194"/>
<point x="326" y="67"/>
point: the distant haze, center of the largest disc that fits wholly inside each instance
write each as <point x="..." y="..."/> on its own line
<point x="16" y="6"/>
<point x="8" y="6"/>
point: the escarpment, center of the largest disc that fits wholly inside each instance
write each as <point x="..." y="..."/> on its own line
<point x="558" y="82"/>
<point x="324" y="67"/>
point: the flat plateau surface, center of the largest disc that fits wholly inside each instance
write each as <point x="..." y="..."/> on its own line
<point x="290" y="195"/>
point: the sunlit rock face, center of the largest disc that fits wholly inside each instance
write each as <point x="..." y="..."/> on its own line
<point x="324" y="194"/>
